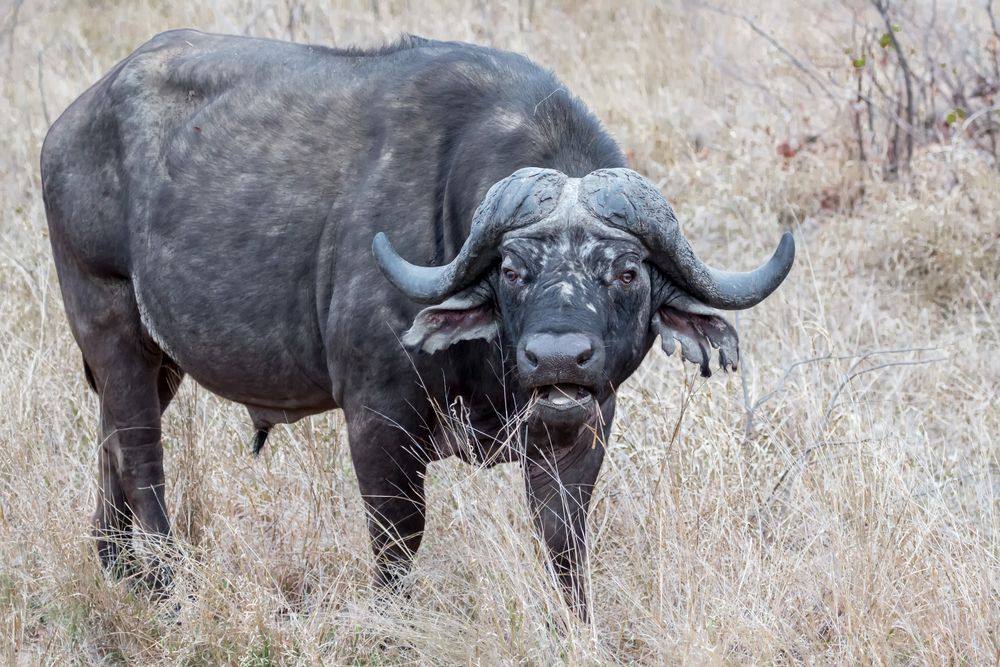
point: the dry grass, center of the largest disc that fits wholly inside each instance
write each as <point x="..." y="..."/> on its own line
<point x="880" y="544"/>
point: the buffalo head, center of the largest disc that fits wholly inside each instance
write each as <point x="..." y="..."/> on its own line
<point x="576" y="276"/>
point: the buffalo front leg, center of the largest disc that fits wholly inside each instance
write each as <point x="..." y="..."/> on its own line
<point x="390" y="472"/>
<point x="559" y="488"/>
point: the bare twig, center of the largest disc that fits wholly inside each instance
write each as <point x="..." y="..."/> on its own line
<point x="788" y="372"/>
<point x="883" y="9"/>
<point x="803" y="459"/>
<point x="831" y="357"/>
<point x="976" y="116"/>
<point x="792" y="58"/>
<point x="993" y="19"/>
<point x="989" y="471"/>
<point x="858" y="132"/>
<point x="832" y="403"/>
<point x="996" y="74"/>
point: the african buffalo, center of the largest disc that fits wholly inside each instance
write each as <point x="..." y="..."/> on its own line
<point x="213" y="203"/>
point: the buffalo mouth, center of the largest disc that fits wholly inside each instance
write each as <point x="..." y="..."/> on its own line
<point x="562" y="401"/>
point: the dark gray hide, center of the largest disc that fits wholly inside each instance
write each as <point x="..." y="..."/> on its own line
<point x="212" y="203"/>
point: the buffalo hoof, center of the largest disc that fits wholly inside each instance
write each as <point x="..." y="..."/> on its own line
<point x="150" y="576"/>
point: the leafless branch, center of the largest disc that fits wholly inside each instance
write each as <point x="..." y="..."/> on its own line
<point x="993" y="19"/>
<point x="832" y="403"/>
<point x="996" y="73"/>
<point x="831" y="357"/>
<point x="792" y="58"/>
<point x="858" y="131"/>
<point x="803" y="459"/>
<point x="882" y="6"/>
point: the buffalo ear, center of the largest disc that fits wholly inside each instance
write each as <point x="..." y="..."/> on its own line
<point x="468" y="315"/>
<point x="698" y="330"/>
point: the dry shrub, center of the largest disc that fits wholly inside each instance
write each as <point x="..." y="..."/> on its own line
<point x="940" y="235"/>
<point x="834" y="502"/>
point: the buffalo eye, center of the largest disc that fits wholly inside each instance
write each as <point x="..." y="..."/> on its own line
<point x="627" y="276"/>
<point x="511" y="275"/>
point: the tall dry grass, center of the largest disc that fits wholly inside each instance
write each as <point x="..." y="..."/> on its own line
<point x="836" y="502"/>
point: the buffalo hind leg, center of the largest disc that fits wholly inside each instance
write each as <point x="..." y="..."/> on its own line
<point x="113" y="518"/>
<point x="168" y="381"/>
<point x="132" y="478"/>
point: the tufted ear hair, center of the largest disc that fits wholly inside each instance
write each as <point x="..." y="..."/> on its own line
<point x="699" y="329"/>
<point x="468" y="315"/>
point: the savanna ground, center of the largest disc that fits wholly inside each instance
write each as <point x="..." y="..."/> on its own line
<point x="835" y="502"/>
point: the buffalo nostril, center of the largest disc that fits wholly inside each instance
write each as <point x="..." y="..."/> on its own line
<point x="562" y="357"/>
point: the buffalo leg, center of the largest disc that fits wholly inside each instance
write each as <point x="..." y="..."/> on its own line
<point x="113" y="518"/>
<point x="134" y="381"/>
<point x="559" y="490"/>
<point x="391" y="478"/>
<point x="131" y="476"/>
<point x="168" y="381"/>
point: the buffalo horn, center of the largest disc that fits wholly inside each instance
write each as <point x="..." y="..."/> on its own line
<point x="523" y="198"/>
<point x="626" y="200"/>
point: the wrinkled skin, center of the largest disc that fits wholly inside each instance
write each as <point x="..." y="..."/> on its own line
<point x="211" y="205"/>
